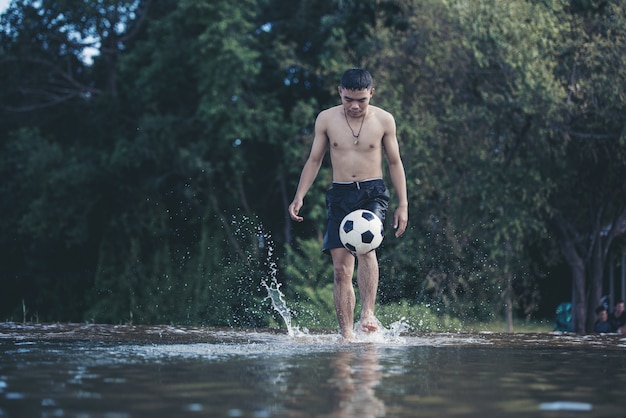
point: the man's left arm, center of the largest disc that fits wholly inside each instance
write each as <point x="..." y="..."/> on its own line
<point x="398" y="176"/>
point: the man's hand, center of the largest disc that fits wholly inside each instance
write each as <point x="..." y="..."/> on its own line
<point x="400" y="219"/>
<point x="294" y="209"/>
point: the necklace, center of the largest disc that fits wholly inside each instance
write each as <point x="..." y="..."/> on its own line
<point x="355" y="135"/>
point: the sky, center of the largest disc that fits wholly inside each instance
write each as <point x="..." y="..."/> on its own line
<point x="88" y="53"/>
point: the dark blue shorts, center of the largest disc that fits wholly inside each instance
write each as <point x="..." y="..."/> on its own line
<point x="343" y="198"/>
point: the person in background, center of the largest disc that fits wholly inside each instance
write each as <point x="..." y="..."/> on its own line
<point x="602" y="324"/>
<point x="617" y="318"/>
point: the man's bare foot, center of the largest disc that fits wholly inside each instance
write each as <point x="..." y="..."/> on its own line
<point x="348" y="338"/>
<point x="369" y="324"/>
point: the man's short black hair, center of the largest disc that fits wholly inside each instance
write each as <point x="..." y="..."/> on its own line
<point x="600" y="309"/>
<point x="356" y="79"/>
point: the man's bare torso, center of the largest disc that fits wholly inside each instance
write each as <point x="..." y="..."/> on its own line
<point x="361" y="160"/>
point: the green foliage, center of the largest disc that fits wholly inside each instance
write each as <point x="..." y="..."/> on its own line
<point x="417" y="317"/>
<point x="134" y="187"/>
<point x="308" y="277"/>
<point x="160" y="276"/>
<point x="475" y="104"/>
<point x="589" y="210"/>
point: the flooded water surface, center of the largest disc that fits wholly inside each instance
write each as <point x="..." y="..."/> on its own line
<point x="78" y="370"/>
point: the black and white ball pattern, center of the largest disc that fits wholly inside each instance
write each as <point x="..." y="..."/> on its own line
<point x="361" y="231"/>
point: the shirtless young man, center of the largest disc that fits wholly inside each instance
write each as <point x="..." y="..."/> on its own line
<point x="357" y="135"/>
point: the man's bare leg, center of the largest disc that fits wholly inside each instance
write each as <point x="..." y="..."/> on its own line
<point x="343" y="291"/>
<point x="367" y="280"/>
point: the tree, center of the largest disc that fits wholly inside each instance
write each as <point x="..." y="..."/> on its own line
<point x="147" y="177"/>
<point x="151" y="180"/>
<point x="588" y="206"/>
<point x="194" y="81"/>
<point x="470" y="109"/>
<point x="46" y="47"/>
<point x="52" y="166"/>
<point x="476" y="86"/>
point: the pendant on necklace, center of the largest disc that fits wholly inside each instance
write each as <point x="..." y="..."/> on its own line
<point x="355" y="135"/>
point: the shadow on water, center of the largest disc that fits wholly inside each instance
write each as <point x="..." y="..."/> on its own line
<point x="81" y="370"/>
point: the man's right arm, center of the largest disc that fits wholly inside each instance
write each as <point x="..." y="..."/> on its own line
<point x="311" y="168"/>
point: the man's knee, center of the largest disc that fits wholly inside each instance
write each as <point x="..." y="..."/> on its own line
<point x="343" y="273"/>
<point x="368" y="257"/>
<point x="343" y="265"/>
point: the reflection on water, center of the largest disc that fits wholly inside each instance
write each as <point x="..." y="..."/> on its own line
<point x="355" y="376"/>
<point x="79" y="370"/>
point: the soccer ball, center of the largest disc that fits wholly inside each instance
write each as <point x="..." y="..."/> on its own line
<point x="361" y="231"/>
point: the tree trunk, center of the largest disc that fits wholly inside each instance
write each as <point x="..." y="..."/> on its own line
<point x="587" y="270"/>
<point x="579" y="305"/>
<point x="596" y="279"/>
<point x="508" y="301"/>
<point x="577" y="267"/>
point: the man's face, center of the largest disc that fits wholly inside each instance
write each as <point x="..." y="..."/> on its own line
<point x="355" y="102"/>
<point x="603" y="316"/>
<point x="619" y="308"/>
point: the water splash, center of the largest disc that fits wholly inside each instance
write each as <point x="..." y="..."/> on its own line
<point x="278" y="301"/>
<point x="273" y="286"/>
<point x="384" y="335"/>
